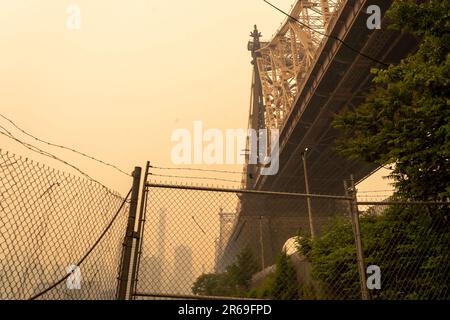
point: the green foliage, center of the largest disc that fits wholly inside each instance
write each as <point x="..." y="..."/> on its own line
<point x="280" y="285"/>
<point x="242" y="271"/>
<point x="234" y="282"/>
<point x="265" y="290"/>
<point x="333" y="258"/>
<point x="406" y="118"/>
<point x="213" y="285"/>
<point x="285" y="285"/>
<point x="303" y="243"/>
<point x="409" y="244"/>
<point x="307" y="292"/>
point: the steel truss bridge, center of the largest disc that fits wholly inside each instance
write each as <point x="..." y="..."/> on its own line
<point x="314" y="67"/>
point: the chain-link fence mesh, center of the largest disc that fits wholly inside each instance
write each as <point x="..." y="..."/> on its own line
<point x="225" y="243"/>
<point x="409" y="243"/>
<point x="212" y="242"/>
<point x="208" y="242"/>
<point x="49" y="221"/>
<point x="405" y="247"/>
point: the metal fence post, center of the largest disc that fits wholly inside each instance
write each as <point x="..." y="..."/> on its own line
<point x="129" y="236"/>
<point x="359" y="248"/>
<point x="140" y="231"/>
<point x="261" y="242"/>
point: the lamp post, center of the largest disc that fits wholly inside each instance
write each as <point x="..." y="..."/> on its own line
<point x="308" y="198"/>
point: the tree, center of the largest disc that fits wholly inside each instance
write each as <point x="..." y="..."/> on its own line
<point x="285" y="284"/>
<point x="333" y="260"/>
<point x="234" y="282"/>
<point x="281" y="284"/>
<point x="213" y="285"/>
<point x="406" y="118"/>
<point x="409" y="244"/>
<point x="243" y="269"/>
<point x="303" y="243"/>
<point x="265" y="290"/>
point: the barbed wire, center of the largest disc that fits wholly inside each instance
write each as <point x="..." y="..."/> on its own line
<point x="197" y="169"/>
<point x="62" y="147"/>
<point x="195" y="178"/>
<point x="52" y="156"/>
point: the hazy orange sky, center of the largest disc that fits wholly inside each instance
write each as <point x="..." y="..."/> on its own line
<point x="133" y="73"/>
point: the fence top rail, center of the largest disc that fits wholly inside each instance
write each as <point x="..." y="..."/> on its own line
<point x="244" y="191"/>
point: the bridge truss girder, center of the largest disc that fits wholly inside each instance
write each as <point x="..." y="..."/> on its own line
<point x="284" y="61"/>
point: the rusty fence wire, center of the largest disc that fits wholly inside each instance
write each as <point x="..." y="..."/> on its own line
<point x="60" y="235"/>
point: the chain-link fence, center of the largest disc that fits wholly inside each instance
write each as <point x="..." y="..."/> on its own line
<point x="213" y="242"/>
<point x="201" y="242"/>
<point x="408" y="244"/>
<point x="63" y="237"/>
<point x="60" y="236"/>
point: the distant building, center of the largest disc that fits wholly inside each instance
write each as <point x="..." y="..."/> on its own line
<point x="150" y="275"/>
<point x="161" y="240"/>
<point x="182" y="279"/>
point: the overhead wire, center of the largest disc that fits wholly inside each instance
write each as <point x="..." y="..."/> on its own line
<point x="327" y="35"/>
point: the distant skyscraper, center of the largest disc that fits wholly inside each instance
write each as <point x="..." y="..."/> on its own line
<point x="150" y="275"/>
<point x="161" y="241"/>
<point x="183" y="270"/>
